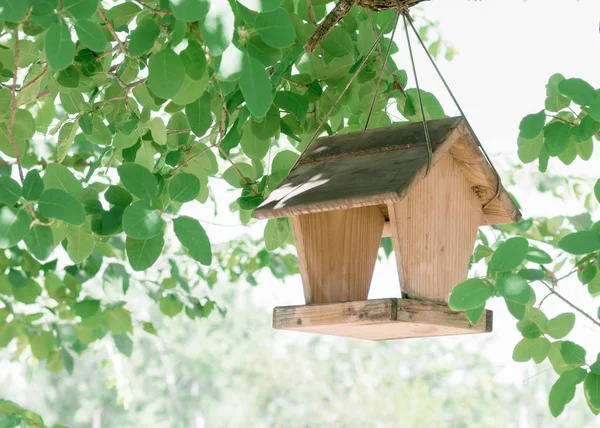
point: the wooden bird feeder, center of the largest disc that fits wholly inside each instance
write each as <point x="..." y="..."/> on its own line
<point x="349" y="190"/>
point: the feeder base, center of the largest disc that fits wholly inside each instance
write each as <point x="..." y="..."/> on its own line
<point x="381" y="319"/>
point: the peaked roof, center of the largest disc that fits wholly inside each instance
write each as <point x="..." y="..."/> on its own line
<point x="377" y="166"/>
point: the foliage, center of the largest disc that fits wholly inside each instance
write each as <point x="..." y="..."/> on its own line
<point x="572" y="243"/>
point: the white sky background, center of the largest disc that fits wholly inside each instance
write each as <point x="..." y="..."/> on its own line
<point x="507" y="51"/>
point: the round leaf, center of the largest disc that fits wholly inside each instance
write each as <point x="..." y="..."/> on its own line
<point x="191" y="234"/>
<point x="91" y="35"/>
<point x="141" y="221"/>
<point x="184" y="187"/>
<point x="143" y="253"/>
<point x="578" y="90"/>
<point x="277" y="231"/>
<point x="170" y="305"/>
<point x="189" y="10"/>
<point x="56" y="203"/>
<point x="583" y="242"/>
<point x="10" y="191"/>
<point x="532" y="125"/>
<point x="143" y="37"/>
<point x="509" y="254"/>
<point x="60" y="49"/>
<point x="14" y="226"/>
<point x="165" y="74"/>
<point x="514" y="288"/>
<point x="138" y="180"/>
<point x="255" y="86"/>
<point x="561" y="325"/>
<point x="276" y="28"/>
<point x="470" y="294"/>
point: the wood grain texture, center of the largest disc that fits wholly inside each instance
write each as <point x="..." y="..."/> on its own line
<point x="358" y="169"/>
<point x="433" y="230"/>
<point x="483" y="181"/>
<point x="380" y="319"/>
<point x="337" y="251"/>
<point x="379" y="166"/>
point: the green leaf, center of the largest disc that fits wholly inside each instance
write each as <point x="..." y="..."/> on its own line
<point x="540" y="349"/>
<point x="10" y="191"/>
<point x="538" y="256"/>
<point x="118" y="320"/>
<point x="166" y="73"/>
<point x="122" y="14"/>
<point x="563" y="390"/>
<point x="24" y="125"/>
<point x="516" y="310"/>
<point x="276" y="28"/>
<point x="138" y="180"/>
<point x="561" y="325"/>
<point x="252" y="146"/>
<point x="40" y="241"/>
<point x="277" y="231"/>
<point x="189" y="10"/>
<point x="587" y="128"/>
<point x="194" y="60"/>
<point x="143" y="37"/>
<point x="597" y="190"/>
<point x="59" y="47"/>
<point x="510" y="254"/>
<point x="14" y="226"/>
<point x="80" y="242"/>
<point x="13" y="10"/>
<point x="80" y="9"/>
<point x="143" y="253"/>
<point x="170" y="305"/>
<point x="66" y="136"/>
<point x="184" y="187"/>
<point x="473" y="315"/>
<point x="532" y="125"/>
<point x="591" y="390"/>
<point x="123" y="343"/>
<point x="255" y="86"/>
<point x="583" y="242"/>
<point x="217" y="28"/>
<point x="199" y="116"/>
<point x="554" y="100"/>
<point x="42" y="345"/>
<point x="56" y="203"/>
<point x="293" y="103"/>
<point x="116" y="277"/>
<point x="514" y="288"/>
<point x="528" y="329"/>
<point x="338" y="42"/>
<point x="158" y="130"/>
<point x="191" y="234"/>
<point x="522" y="351"/>
<point x="33" y="186"/>
<point x="58" y="176"/>
<point x="572" y="353"/>
<point x="556" y="137"/>
<point x="87" y="307"/>
<point x="141" y="221"/>
<point x="578" y="90"/>
<point x="91" y="35"/>
<point x="116" y="195"/>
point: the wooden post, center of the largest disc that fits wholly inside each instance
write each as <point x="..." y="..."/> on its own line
<point x="433" y="230"/>
<point x="337" y="251"/>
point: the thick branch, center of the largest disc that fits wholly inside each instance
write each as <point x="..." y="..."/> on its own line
<point x="336" y="14"/>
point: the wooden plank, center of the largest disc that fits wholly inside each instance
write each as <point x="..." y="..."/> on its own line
<point x="380" y="319"/>
<point x="358" y="169"/>
<point x="483" y="181"/>
<point x="433" y="230"/>
<point x="337" y="251"/>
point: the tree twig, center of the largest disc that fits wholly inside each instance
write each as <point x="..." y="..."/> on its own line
<point x="311" y="13"/>
<point x="112" y="30"/>
<point x="35" y="79"/>
<point x="564" y="299"/>
<point x="153" y="10"/>
<point x="195" y="155"/>
<point x="13" y="108"/>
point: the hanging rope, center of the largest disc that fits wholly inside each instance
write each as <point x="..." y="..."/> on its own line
<point x="385" y="60"/>
<point x="405" y="13"/>
<point x="367" y="55"/>
<point x="408" y="18"/>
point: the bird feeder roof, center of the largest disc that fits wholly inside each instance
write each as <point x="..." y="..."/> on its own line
<point x="382" y="165"/>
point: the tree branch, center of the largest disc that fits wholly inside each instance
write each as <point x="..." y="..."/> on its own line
<point x="112" y="30"/>
<point x="13" y="108"/>
<point x="564" y="299"/>
<point x="35" y="79"/>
